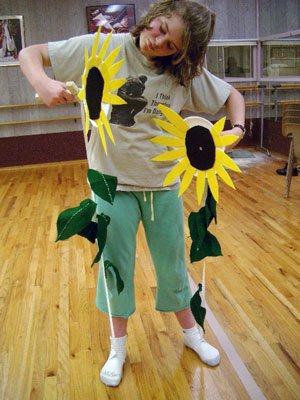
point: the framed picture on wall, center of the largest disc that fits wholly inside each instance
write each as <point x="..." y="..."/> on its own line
<point x="118" y="18"/>
<point x="11" y="39"/>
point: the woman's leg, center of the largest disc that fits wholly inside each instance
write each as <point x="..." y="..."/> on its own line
<point x="194" y="339"/>
<point x="165" y="237"/>
<point x="120" y="251"/>
<point x="120" y="326"/>
<point x="185" y="318"/>
<point x="111" y="373"/>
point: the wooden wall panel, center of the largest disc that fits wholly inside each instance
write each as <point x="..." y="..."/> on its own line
<point x="234" y="19"/>
<point x="277" y="16"/>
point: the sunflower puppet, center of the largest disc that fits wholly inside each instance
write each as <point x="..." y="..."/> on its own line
<point x="199" y="149"/>
<point x="97" y="83"/>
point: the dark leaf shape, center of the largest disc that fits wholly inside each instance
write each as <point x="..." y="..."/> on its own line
<point x="103" y="185"/>
<point x="197" y="224"/>
<point x="74" y="220"/>
<point x="120" y="283"/>
<point x="96" y="259"/>
<point x="103" y="221"/>
<point x="90" y="231"/>
<point x="211" y="204"/>
<point x="209" y="247"/>
<point x="196" y="308"/>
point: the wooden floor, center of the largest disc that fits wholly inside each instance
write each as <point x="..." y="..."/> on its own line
<point x="54" y="340"/>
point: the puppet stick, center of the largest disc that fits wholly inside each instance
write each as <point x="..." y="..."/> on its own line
<point x="107" y="300"/>
<point x="73" y="85"/>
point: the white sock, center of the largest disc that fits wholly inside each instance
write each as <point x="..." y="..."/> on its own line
<point x="111" y="372"/>
<point x="194" y="339"/>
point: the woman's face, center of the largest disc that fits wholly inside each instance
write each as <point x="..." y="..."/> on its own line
<point x="163" y="38"/>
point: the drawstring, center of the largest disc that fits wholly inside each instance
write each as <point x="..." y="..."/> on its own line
<point x="151" y="204"/>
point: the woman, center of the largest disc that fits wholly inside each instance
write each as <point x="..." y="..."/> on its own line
<point x="163" y="63"/>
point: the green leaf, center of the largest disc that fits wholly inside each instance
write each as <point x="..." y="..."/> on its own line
<point x="103" y="221"/>
<point x="211" y="204"/>
<point x="197" y="225"/>
<point x="196" y="308"/>
<point x="209" y="247"/>
<point x="103" y="185"/>
<point x="90" y="231"/>
<point x="120" y="282"/>
<point x="74" y="220"/>
<point x="96" y="259"/>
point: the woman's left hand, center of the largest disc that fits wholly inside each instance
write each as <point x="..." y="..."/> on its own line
<point x="236" y="132"/>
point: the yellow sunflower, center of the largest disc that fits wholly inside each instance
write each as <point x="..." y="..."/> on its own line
<point x="200" y="150"/>
<point x="97" y="83"/>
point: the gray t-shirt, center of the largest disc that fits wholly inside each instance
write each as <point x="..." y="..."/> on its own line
<point x="132" y="124"/>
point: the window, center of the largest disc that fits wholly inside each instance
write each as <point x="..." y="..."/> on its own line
<point x="281" y="58"/>
<point x="232" y="60"/>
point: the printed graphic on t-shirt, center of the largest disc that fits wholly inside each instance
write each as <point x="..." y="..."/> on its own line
<point x="132" y="92"/>
<point x="152" y="107"/>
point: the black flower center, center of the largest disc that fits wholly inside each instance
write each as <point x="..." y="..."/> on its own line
<point x="200" y="148"/>
<point x="94" y="92"/>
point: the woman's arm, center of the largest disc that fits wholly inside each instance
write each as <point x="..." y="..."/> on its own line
<point x="235" y="107"/>
<point x="33" y="59"/>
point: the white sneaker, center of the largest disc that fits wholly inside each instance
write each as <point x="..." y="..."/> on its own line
<point x="193" y="339"/>
<point x="112" y="371"/>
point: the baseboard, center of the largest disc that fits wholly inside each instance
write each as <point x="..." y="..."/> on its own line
<point x="39" y="149"/>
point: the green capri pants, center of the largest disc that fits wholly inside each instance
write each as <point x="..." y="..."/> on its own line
<point x="165" y="239"/>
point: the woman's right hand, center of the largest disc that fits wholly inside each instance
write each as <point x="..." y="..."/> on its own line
<point x="52" y="92"/>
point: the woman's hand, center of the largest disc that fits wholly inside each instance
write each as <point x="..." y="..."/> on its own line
<point x="236" y="132"/>
<point x="53" y="92"/>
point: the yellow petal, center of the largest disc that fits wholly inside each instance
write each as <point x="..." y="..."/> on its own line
<point x="186" y="179"/>
<point x="95" y="44"/>
<point x="213" y="183"/>
<point x="200" y="185"/>
<point x="225" y="160"/>
<point x="176" y="171"/>
<point x="102" y="136"/>
<point x="112" y="99"/>
<point x="170" y="155"/>
<point x="225" y="140"/>
<point x="114" y="85"/>
<point x="223" y="174"/>
<point x="81" y="94"/>
<point x="170" y="128"/>
<point x="168" y="141"/>
<point x="111" y="57"/>
<point x="104" y="72"/>
<point x="218" y="127"/>
<point x="106" y="125"/>
<point x="173" y="117"/>
<point x="115" y="68"/>
<point x="87" y="119"/>
<point x="103" y="48"/>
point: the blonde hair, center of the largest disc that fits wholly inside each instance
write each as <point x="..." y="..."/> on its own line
<point x="199" y="25"/>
